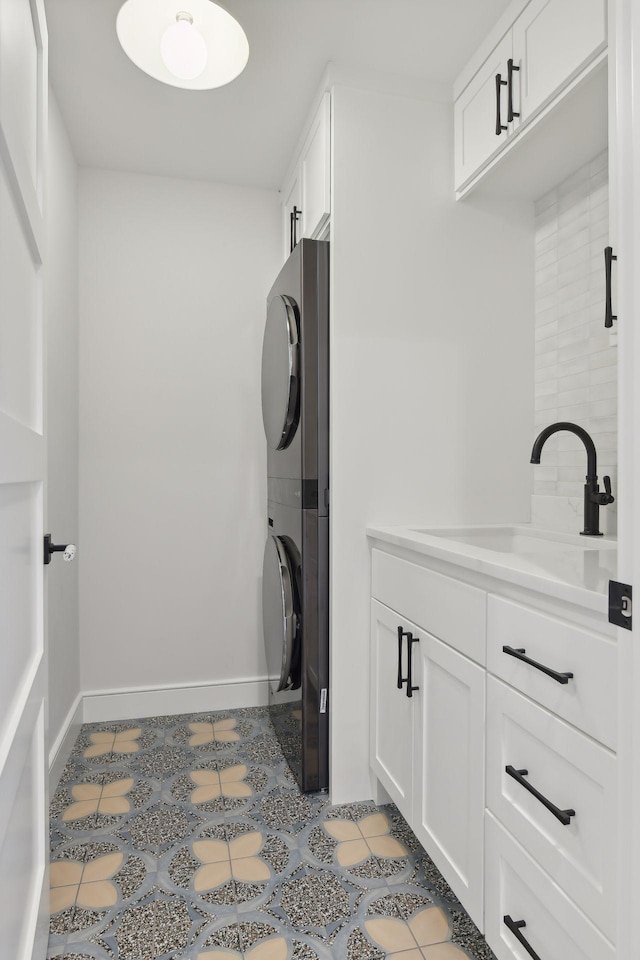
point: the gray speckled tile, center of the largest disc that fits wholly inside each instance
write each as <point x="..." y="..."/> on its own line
<point x="306" y="894"/>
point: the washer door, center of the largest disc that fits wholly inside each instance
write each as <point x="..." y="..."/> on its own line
<point x="280" y="372"/>
<point x="279" y="615"/>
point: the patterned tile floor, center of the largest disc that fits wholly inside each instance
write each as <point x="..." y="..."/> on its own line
<point x="186" y="838"/>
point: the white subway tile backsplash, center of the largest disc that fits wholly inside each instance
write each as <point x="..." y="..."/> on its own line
<point x="575" y="365"/>
<point x="546" y="388"/>
<point x="606" y="374"/>
<point x="573" y="382"/>
<point x="603" y="408"/>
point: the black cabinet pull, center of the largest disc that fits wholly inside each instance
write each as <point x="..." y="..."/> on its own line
<point x="515" y="926"/>
<point x="410" y="642"/>
<point x="609" y="315"/>
<point x="564" y="816"/>
<point x="519" y="654"/>
<point x="401" y="680"/>
<point x="294" y="216"/>
<point x="511" y="69"/>
<point x="499" y="124"/>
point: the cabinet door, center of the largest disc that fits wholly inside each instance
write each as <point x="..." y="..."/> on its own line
<point x="475" y="116"/>
<point x="291" y="207"/>
<point x="552" y="41"/>
<point x="449" y="762"/>
<point x="391" y="748"/>
<point x="316" y="173"/>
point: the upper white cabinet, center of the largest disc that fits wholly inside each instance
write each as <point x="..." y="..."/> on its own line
<point x="306" y="195"/>
<point x="481" y="125"/>
<point x="552" y="41"/>
<point x="292" y="212"/>
<point x="549" y="45"/>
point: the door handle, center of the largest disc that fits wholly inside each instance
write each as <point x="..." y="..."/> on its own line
<point x="68" y="549"/>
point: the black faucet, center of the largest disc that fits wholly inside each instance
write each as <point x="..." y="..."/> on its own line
<point x="593" y="498"/>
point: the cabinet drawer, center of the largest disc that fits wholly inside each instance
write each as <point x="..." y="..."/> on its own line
<point x="516" y="887"/>
<point x="449" y="609"/>
<point x="573" y="773"/>
<point x="589" y="699"/>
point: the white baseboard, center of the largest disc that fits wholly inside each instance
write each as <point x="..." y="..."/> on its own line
<point x="63" y="744"/>
<point x="128" y="704"/>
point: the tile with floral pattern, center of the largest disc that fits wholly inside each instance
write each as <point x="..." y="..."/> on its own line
<point x="187" y="838"/>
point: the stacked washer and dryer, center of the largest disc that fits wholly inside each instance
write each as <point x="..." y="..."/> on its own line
<point x="295" y="586"/>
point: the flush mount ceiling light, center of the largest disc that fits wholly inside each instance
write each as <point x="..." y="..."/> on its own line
<point x="187" y="43"/>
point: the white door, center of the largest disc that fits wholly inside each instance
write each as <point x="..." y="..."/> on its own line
<point x="552" y="41"/>
<point x="391" y="724"/>
<point x="449" y="767"/>
<point x="23" y="784"/>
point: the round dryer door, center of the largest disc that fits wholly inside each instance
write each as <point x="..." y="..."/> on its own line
<point x="278" y="612"/>
<point x="280" y="372"/>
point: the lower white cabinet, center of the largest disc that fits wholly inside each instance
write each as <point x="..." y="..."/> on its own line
<point x="448" y="804"/>
<point x="525" y="906"/>
<point x="506" y="774"/>
<point x="391" y="721"/>
<point x="427" y="749"/>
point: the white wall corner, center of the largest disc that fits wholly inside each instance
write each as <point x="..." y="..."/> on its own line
<point x="128" y="704"/>
<point x="63" y="744"/>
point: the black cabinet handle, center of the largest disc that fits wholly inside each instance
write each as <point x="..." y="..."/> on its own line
<point x="564" y="816"/>
<point x="515" y="926"/>
<point x="410" y="642"/>
<point x="519" y="654"/>
<point x="609" y="315"/>
<point x="511" y="69"/>
<point x="294" y="216"/>
<point x="499" y="124"/>
<point x="401" y="634"/>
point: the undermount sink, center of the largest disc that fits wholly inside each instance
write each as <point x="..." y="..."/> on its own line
<point x="518" y="539"/>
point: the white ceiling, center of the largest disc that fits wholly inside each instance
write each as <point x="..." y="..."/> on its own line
<point x="243" y="133"/>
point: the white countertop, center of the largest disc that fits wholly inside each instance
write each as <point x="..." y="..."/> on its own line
<point x="570" y="569"/>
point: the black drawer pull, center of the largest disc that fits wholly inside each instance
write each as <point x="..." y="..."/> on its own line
<point x="515" y="926"/>
<point x="499" y="124"/>
<point x="609" y="315"/>
<point x="564" y="816"/>
<point x="410" y="642"/>
<point x="519" y="654"/>
<point x="511" y="69"/>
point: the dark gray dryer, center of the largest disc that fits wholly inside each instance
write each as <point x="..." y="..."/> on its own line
<point x="295" y="408"/>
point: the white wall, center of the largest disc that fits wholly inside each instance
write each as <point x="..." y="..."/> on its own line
<point x="432" y="366"/>
<point x="576" y="365"/>
<point x="173" y="283"/>
<point x="61" y="319"/>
